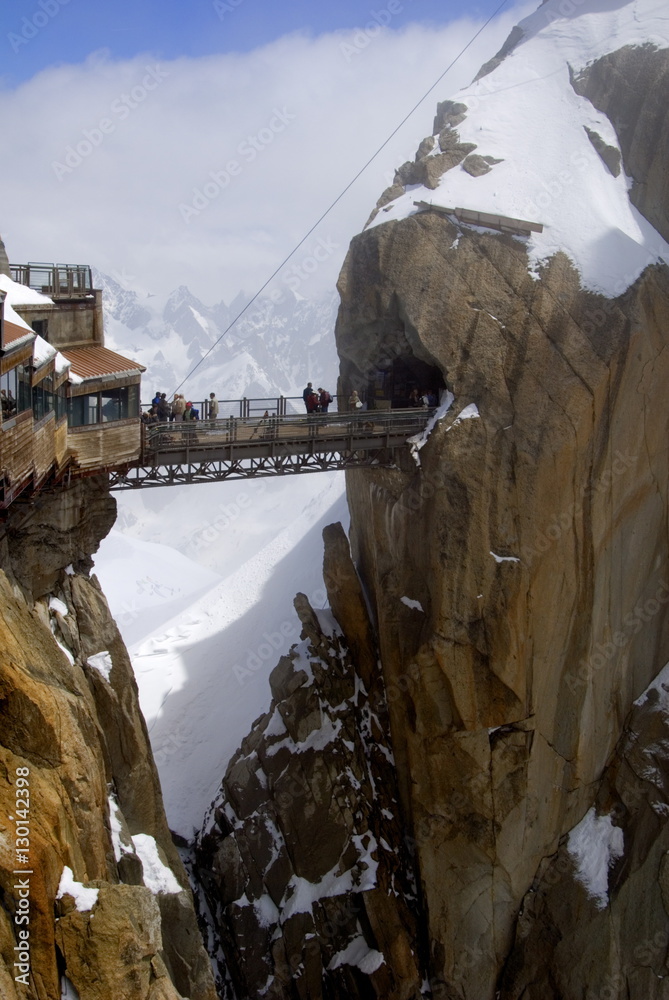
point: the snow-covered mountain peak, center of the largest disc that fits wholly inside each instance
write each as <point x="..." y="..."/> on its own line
<point x="522" y="142"/>
<point x="276" y="346"/>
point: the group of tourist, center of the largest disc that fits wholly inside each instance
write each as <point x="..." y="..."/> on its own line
<point x="427" y="398"/>
<point x="316" y="400"/>
<point x="161" y="410"/>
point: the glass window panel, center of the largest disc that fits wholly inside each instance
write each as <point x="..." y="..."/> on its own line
<point x="24" y="393"/>
<point x="111" y="405"/>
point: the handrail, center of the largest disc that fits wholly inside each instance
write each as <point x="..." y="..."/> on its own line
<point x="277" y="406"/>
<point x="176" y="436"/>
<point x="66" y="280"/>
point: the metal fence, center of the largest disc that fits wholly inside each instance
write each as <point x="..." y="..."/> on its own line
<point x="250" y="408"/>
<point x="55" y="280"/>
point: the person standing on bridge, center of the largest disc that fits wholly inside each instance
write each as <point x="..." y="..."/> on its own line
<point x="309" y="391"/>
<point x="178" y="407"/>
<point x="325" y="399"/>
<point x="213" y="406"/>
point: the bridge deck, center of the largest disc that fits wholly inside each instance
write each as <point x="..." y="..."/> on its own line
<point x="210" y="451"/>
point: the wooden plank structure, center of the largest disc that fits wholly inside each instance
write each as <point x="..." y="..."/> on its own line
<point x="500" y="223"/>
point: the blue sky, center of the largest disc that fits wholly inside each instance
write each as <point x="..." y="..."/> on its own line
<point x="37" y="34"/>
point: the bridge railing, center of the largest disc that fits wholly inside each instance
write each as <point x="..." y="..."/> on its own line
<point x="249" y="407"/>
<point x="177" y="436"/>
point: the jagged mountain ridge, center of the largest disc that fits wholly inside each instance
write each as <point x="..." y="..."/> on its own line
<point x="274" y="349"/>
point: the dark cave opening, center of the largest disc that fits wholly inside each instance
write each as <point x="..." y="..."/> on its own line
<point x="401" y="382"/>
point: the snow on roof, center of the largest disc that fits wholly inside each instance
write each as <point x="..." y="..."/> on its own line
<point x="19" y="295"/>
<point x="22" y="295"/>
<point x="527" y="114"/>
<point x="16" y="335"/>
<point x="42" y="351"/>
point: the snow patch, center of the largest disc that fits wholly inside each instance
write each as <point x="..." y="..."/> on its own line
<point x="470" y="412"/>
<point x="416" y="605"/>
<point x="157" y="876"/>
<point x="101" y="662"/>
<point x="119" y="845"/>
<point x="657" y="690"/>
<point x="84" y="899"/>
<point x="419" y="441"/>
<point x="595" y="844"/>
<point x="359" y="954"/>
<point x="56" y="605"/>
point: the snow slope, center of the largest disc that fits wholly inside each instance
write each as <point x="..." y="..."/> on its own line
<point x="527" y="114"/>
<point x="202" y="643"/>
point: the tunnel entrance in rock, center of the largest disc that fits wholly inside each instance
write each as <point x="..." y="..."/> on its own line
<point x="400" y="382"/>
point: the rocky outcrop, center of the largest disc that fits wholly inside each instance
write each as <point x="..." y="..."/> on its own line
<point x="630" y="86"/>
<point x="311" y="898"/>
<point x="93" y="890"/>
<point x="614" y="898"/>
<point x="4" y="260"/>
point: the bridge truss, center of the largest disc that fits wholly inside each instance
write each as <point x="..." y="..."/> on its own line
<point x="182" y="454"/>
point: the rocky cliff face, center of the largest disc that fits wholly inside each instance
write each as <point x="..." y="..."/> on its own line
<point x="534" y="537"/>
<point x="94" y="895"/>
<point x="518" y="582"/>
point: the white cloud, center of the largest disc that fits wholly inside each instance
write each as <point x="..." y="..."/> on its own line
<point x="103" y="161"/>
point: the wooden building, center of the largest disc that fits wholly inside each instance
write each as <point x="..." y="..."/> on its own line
<point x="69" y="405"/>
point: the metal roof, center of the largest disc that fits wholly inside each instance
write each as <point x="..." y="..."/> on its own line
<point x="15" y="333"/>
<point x="96" y="362"/>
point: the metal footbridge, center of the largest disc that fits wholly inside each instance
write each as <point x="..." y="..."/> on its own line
<point x="187" y="452"/>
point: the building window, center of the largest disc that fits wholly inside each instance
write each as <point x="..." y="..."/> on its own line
<point x="15" y="392"/>
<point x="104" y="407"/>
<point x="61" y="401"/>
<point x="9" y="393"/>
<point x="41" y="326"/>
<point x="44" y="400"/>
<point x="83" y="410"/>
<point x="25" y="393"/>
